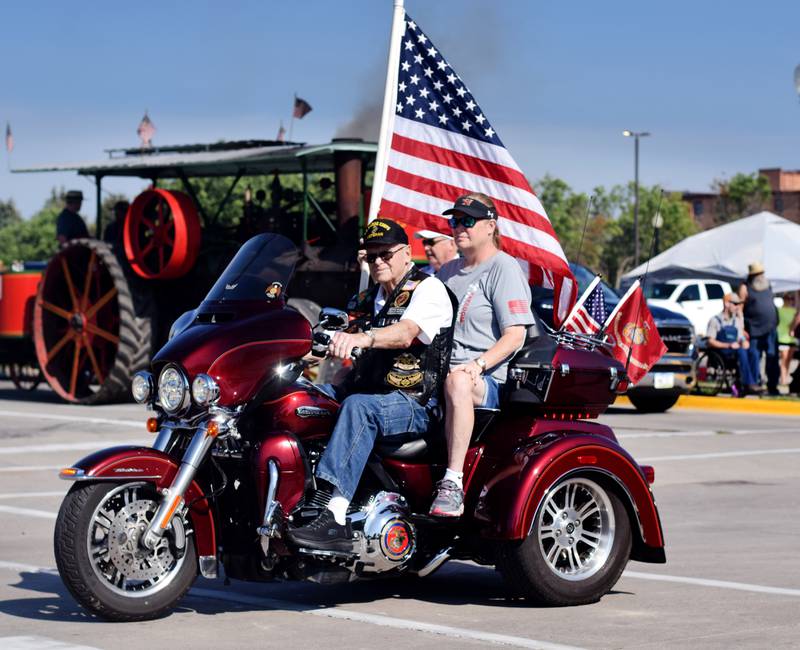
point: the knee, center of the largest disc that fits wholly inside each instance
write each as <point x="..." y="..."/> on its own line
<point x="457" y="386"/>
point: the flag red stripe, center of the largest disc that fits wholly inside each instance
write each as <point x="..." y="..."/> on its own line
<point x="514" y="247"/>
<point x="452" y="192"/>
<point x="450" y="158"/>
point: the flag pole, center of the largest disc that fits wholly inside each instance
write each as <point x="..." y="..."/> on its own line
<point x="387" y="121"/>
<point x="291" y="122"/>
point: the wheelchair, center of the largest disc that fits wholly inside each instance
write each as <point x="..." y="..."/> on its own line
<point x="716" y="372"/>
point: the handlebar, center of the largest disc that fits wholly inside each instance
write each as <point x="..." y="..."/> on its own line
<point x="320" y="342"/>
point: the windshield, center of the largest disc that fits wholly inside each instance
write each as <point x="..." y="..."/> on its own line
<point x="261" y="270"/>
<point x="659" y="290"/>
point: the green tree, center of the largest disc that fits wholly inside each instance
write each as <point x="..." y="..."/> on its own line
<point x="618" y="254"/>
<point x="33" y="239"/>
<point x="9" y="213"/>
<point x="741" y="196"/>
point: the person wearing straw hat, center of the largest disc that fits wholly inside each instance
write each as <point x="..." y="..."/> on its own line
<point x="439" y="249"/>
<point x="761" y="321"/>
<point x="70" y="224"/>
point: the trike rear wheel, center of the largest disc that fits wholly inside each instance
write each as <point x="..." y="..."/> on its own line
<point x="576" y="550"/>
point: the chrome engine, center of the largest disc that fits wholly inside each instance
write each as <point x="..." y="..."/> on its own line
<point x="385" y="537"/>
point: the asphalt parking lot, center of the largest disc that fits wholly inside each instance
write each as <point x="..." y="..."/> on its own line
<point x="727" y="487"/>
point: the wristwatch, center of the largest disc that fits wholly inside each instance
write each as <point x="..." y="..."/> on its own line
<point x="481" y="364"/>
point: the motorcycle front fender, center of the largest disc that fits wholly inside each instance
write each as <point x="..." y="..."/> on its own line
<point x="129" y="463"/>
<point x="510" y="499"/>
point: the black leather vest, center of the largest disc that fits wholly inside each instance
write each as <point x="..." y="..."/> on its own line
<point x="419" y="370"/>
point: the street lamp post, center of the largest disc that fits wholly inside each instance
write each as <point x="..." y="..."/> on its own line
<point x="635" y="135"/>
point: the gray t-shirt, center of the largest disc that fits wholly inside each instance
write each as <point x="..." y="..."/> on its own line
<point x="491" y="297"/>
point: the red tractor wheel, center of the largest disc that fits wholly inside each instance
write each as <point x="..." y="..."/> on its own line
<point x="90" y="333"/>
<point x="162" y="234"/>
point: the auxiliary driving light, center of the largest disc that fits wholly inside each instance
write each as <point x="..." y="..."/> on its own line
<point x="173" y="389"/>
<point x="142" y="386"/>
<point x="205" y="390"/>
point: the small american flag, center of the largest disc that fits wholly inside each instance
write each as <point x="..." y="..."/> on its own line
<point x="281" y="137"/>
<point x="146" y="130"/>
<point x="589" y="314"/>
<point x="301" y="108"/>
<point x="9" y="138"/>
<point x="442" y="146"/>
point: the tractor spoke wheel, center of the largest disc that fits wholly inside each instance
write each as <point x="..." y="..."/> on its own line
<point x="88" y="340"/>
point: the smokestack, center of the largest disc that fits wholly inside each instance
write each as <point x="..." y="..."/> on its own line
<point x="347" y="167"/>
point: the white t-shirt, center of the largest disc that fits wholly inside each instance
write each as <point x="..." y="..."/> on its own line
<point x="430" y="308"/>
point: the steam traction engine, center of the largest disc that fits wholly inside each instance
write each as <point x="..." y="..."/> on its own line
<point x="102" y="310"/>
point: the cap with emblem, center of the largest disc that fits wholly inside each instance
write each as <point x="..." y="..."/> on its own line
<point x="472" y="208"/>
<point x="74" y="195"/>
<point x="385" y="231"/>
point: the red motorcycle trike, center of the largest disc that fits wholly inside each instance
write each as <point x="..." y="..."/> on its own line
<point x="552" y="499"/>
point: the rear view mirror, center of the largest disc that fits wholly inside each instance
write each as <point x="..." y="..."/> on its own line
<point x="333" y="319"/>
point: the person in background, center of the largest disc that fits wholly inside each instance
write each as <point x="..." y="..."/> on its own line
<point x="726" y="335"/>
<point x="787" y="341"/>
<point x="494" y="312"/>
<point x="113" y="232"/>
<point x="761" y="321"/>
<point x="439" y="249"/>
<point x="70" y="224"/>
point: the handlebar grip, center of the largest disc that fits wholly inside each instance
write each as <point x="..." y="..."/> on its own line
<point x="355" y="353"/>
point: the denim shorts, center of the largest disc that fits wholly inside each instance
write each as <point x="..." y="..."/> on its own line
<point x="491" y="394"/>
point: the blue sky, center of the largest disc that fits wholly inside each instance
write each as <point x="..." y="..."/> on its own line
<point x="559" y="81"/>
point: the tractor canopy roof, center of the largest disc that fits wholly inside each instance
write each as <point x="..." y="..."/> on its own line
<point x="240" y="158"/>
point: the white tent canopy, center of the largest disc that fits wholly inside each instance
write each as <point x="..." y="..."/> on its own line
<point x="724" y="253"/>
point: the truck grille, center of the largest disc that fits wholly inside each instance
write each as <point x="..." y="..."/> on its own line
<point x="677" y="339"/>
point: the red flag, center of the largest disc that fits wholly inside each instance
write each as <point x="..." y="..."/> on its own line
<point x="301" y="108"/>
<point x="9" y="138"/>
<point x="633" y="333"/>
<point x="438" y="144"/>
<point x="146" y="130"/>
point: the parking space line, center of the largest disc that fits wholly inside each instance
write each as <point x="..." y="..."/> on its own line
<point x="67" y="446"/>
<point x="701" y="434"/>
<point x="38" y="643"/>
<point x="739" y="586"/>
<point x="28" y="512"/>
<point x="345" y="614"/>
<point x="23" y="495"/>
<point x="721" y="454"/>
<point x="139" y="424"/>
<point x="29" y="468"/>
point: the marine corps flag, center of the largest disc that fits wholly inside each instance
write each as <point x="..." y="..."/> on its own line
<point x="632" y="333"/>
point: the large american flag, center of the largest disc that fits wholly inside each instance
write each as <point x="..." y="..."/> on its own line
<point x="146" y="130"/>
<point x="442" y="146"/>
<point x="590" y="313"/>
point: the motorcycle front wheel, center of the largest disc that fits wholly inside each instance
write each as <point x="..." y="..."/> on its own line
<point x="100" y="560"/>
<point x="576" y="550"/>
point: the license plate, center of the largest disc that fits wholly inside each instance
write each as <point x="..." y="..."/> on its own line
<point x="663" y="379"/>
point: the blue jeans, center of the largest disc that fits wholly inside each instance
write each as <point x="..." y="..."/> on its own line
<point x="363" y="420"/>
<point x="748" y="365"/>
<point x="768" y="345"/>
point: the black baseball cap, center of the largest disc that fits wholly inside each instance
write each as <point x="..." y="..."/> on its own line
<point x="74" y="195"/>
<point x="471" y="207"/>
<point x="385" y="231"/>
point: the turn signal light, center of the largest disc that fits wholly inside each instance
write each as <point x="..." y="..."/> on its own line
<point x="213" y="429"/>
<point x="152" y="425"/>
<point x="68" y="472"/>
<point x="649" y="473"/>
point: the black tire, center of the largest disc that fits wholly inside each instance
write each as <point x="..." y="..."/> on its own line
<point x="649" y="403"/>
<point x="73" y="527"/>
<point x="127" y="318"/>
<point x="528" y="572"/>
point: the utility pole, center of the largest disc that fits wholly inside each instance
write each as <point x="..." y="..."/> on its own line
<point x="635" y="135"/>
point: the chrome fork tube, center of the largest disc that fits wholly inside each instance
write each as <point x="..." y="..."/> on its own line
<point x="267" y="528"/>
<point x="162" y="439"/>
<point x="172" y="497"/>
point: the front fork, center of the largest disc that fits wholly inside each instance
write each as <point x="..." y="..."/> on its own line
<point x="172" y="497"/>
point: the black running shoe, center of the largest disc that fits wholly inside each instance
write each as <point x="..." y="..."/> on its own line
<point x="323" y="534"/>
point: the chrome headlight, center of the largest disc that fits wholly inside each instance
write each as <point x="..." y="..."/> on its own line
<point x="205" y="390"/>
<point x="173" y="390"/>
<point x="142" y="387"/>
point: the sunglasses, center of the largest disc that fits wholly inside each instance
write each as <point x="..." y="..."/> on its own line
<point x="432" y="242"/>
<point x="467" y="222"/>
<point x="384" y="255"/>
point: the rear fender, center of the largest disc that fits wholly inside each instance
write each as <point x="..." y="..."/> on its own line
<point x="510" y="499"/>
<point x="123" y="464"/>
